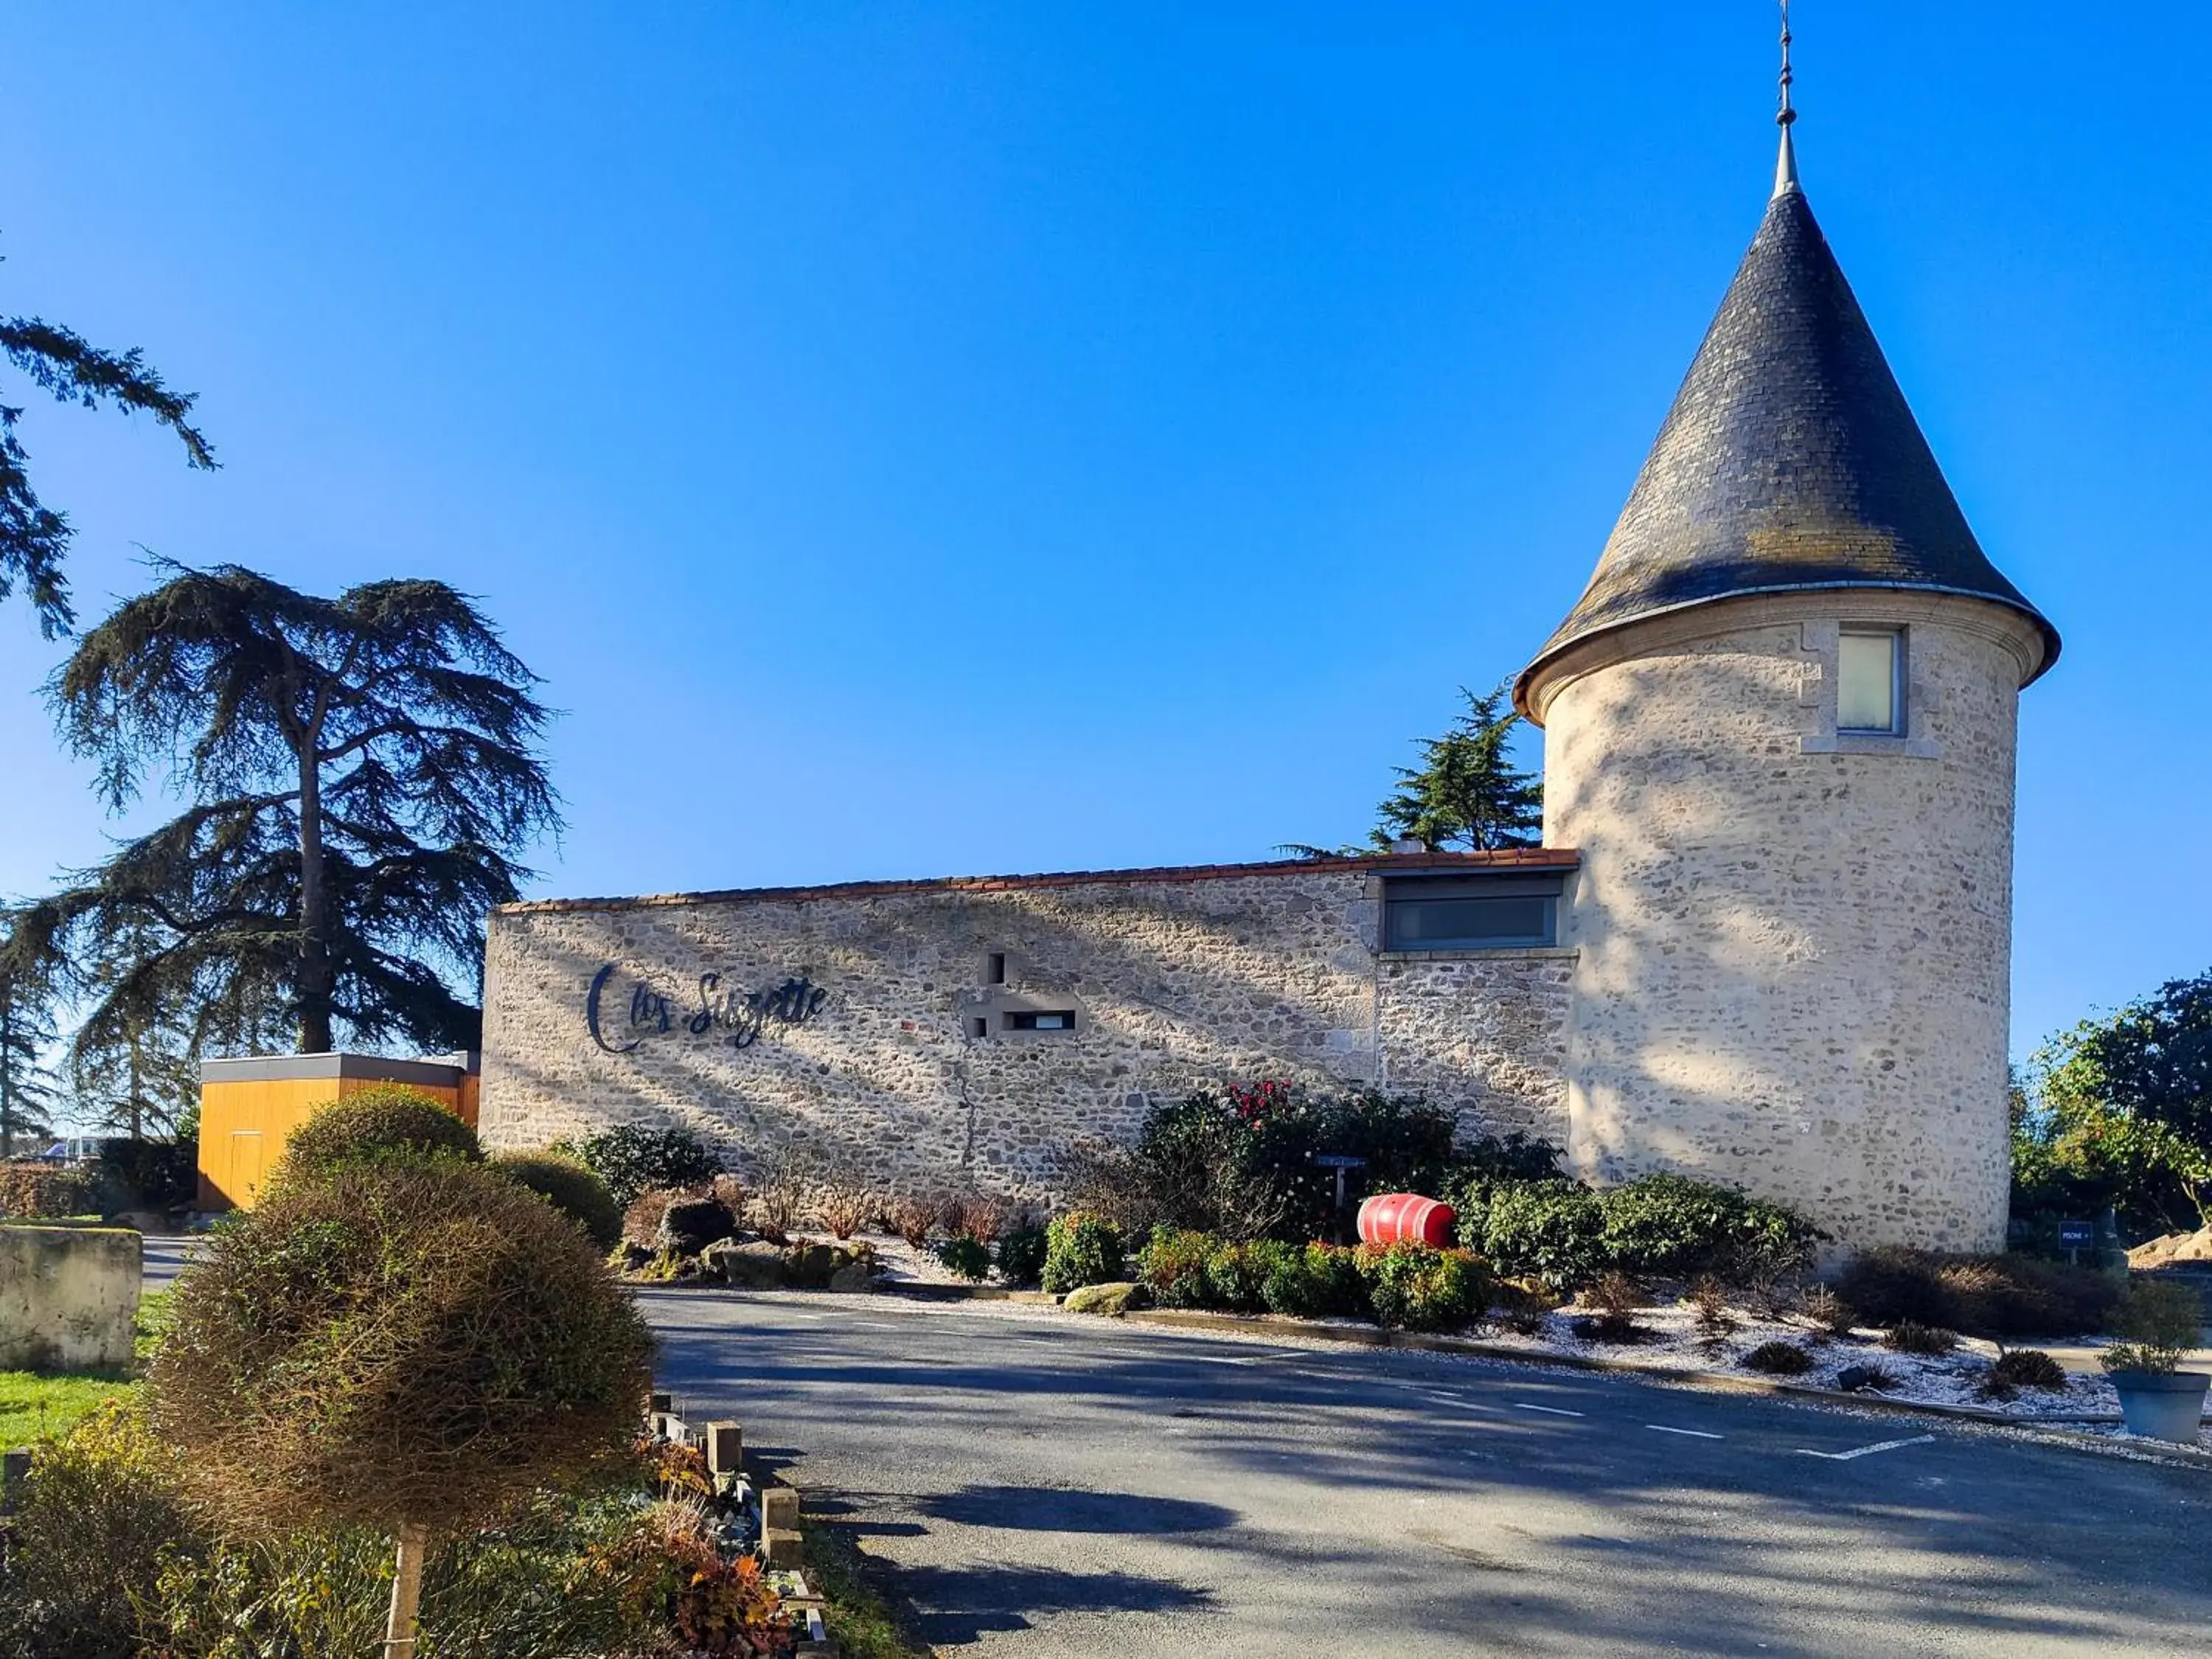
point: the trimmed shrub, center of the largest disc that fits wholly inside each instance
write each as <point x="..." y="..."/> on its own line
<point x="1550" y="1230"/>
<point x="570" y="1187"/>
<point x="395" y="1345"/>
<point x="1081" y="1249"/>
<point x="2026" y="1368"/>
<point x="388" y="1123"/>
<point x="1021" y="1255"/>
<point x="691" y="1225"/>
<point x="633" y="1160"/>
<point x="1236" y="1274"/>
<point x="1778" y="1359"/>
<point x="968" y="1257"/>
<point x="1423" y="1290"/>
<point x="1319" y="1281"/>
<point x="1172" y="1265"/>
<point x="1910" y="1336"/>
<point x="1673" y="1225"/>
<point x="31" y="1192"/>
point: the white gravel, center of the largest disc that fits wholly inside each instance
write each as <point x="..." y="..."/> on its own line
<point x="1952" y="1379"/>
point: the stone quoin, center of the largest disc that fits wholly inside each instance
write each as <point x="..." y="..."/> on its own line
<point x="1768" y="940"/>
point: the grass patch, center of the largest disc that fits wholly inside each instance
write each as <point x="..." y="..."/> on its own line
<point x="860" y="1617"/>
<point x="34" y="1406"/>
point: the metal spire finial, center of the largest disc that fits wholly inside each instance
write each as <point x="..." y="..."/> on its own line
<point x="1785" y="165"/>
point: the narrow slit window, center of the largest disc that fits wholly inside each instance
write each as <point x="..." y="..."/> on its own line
<point x="1044" y="1020"/>
<point x="979" y="1027"/>
<point x="1870" y="682"/>
<point x="995" y="972"/>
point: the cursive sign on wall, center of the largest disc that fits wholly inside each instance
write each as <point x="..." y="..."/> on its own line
<point x="742" y="1015"/>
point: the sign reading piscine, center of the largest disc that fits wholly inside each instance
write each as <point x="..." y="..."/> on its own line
<point x="742" y="1015"/>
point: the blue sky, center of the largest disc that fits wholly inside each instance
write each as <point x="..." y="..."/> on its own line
<point x="926" y="439"/>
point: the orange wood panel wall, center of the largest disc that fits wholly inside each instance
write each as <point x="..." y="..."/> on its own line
<point x="244" y="1127"/>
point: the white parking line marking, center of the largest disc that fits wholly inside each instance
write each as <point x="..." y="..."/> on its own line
<point x="1695" y="1434"/>
<point x="1549" y="1411"/>
<point x="1219" y="1359"/>
<point x="1867" y="1452"/>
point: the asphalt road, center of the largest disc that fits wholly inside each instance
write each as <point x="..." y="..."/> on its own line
<point x="1046" y="1486"/>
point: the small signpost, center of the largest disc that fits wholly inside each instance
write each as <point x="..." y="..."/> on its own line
<point x="1340" y="1164"/>
<point x="2075" y="1235"/>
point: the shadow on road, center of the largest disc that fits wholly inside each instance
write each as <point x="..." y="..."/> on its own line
<point x="1060" y="1509"/>
<point x="966" y="1601"/>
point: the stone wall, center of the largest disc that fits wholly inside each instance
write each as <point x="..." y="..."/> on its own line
<point x="1177" y="979"/>
<point x="1794" y="946"/>
<point x="69" y="1296"/>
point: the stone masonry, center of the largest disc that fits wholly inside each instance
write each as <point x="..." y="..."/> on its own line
<point x="1793" y="944"/>
<point x="1176" y="979"/>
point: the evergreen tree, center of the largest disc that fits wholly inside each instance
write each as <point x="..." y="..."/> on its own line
<point x="133" y="1065"/>
<point x="361" y="774"/>
<point x="1467" y="794"/>
<point x="27" y="1034"/>
<point x="33" y="536"/>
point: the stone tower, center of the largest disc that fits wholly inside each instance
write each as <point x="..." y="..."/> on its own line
<point x="1779" y="727"/>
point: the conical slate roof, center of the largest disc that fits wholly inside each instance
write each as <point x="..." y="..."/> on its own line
<point x="1788" y="461"/>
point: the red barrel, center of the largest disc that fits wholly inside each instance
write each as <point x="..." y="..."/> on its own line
<point x="1405" y="1218"/>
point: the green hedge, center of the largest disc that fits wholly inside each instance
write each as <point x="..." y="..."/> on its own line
<point x="1404" y="1285"/>
<point x="1667" y="1225"/>
<point x="1081" y="1249"/>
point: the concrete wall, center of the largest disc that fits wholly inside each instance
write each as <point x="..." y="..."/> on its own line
<point x="1178" y="979"/>
<point x="1794" y="949"/>
<point x="68" y="1297"/>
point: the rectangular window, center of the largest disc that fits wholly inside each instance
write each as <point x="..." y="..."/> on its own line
<point x="1059" y="1020"/>
<point x="1477" y="913"/>
<point x="995" y="971"/>
<point x="1870" y="681"/>
<point x="979" y="1026"/>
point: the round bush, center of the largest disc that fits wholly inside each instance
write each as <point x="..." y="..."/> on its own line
<point x="1081" y="1249"/>
<point x="1021" y="1255"/>
<point x="1909" y="1336"/>
<point x="1173" y="1267"/>
<point x="1672" y="1224"/>
<point x="1778" y="1359"/>
<point x="1552" y="1229"/>
<point x="2026" y="1368"/>
<point x="970" y="1258"/>
<point x="396" y="1344"/>
<point x="633" y="1160"/>
<point x="1317" y="1282"/>
<point x="571" y="1189"/>
<point x="1423" y="1289"/>
<point x="387" y="1122"/>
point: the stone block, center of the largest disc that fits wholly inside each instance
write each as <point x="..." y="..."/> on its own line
<point x="782" y="1546"/>
<point x="725" y="1443"/>
<point x="69" y="1296"/>
<point x="780" y="1508"/>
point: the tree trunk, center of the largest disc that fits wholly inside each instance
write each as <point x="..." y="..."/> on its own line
<point x="315" y="987"/>
<point x="406" y="1594"/>
<point x="7" y="1070"/>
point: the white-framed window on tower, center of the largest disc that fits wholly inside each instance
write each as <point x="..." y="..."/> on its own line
<point x="1870" y="681"/>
